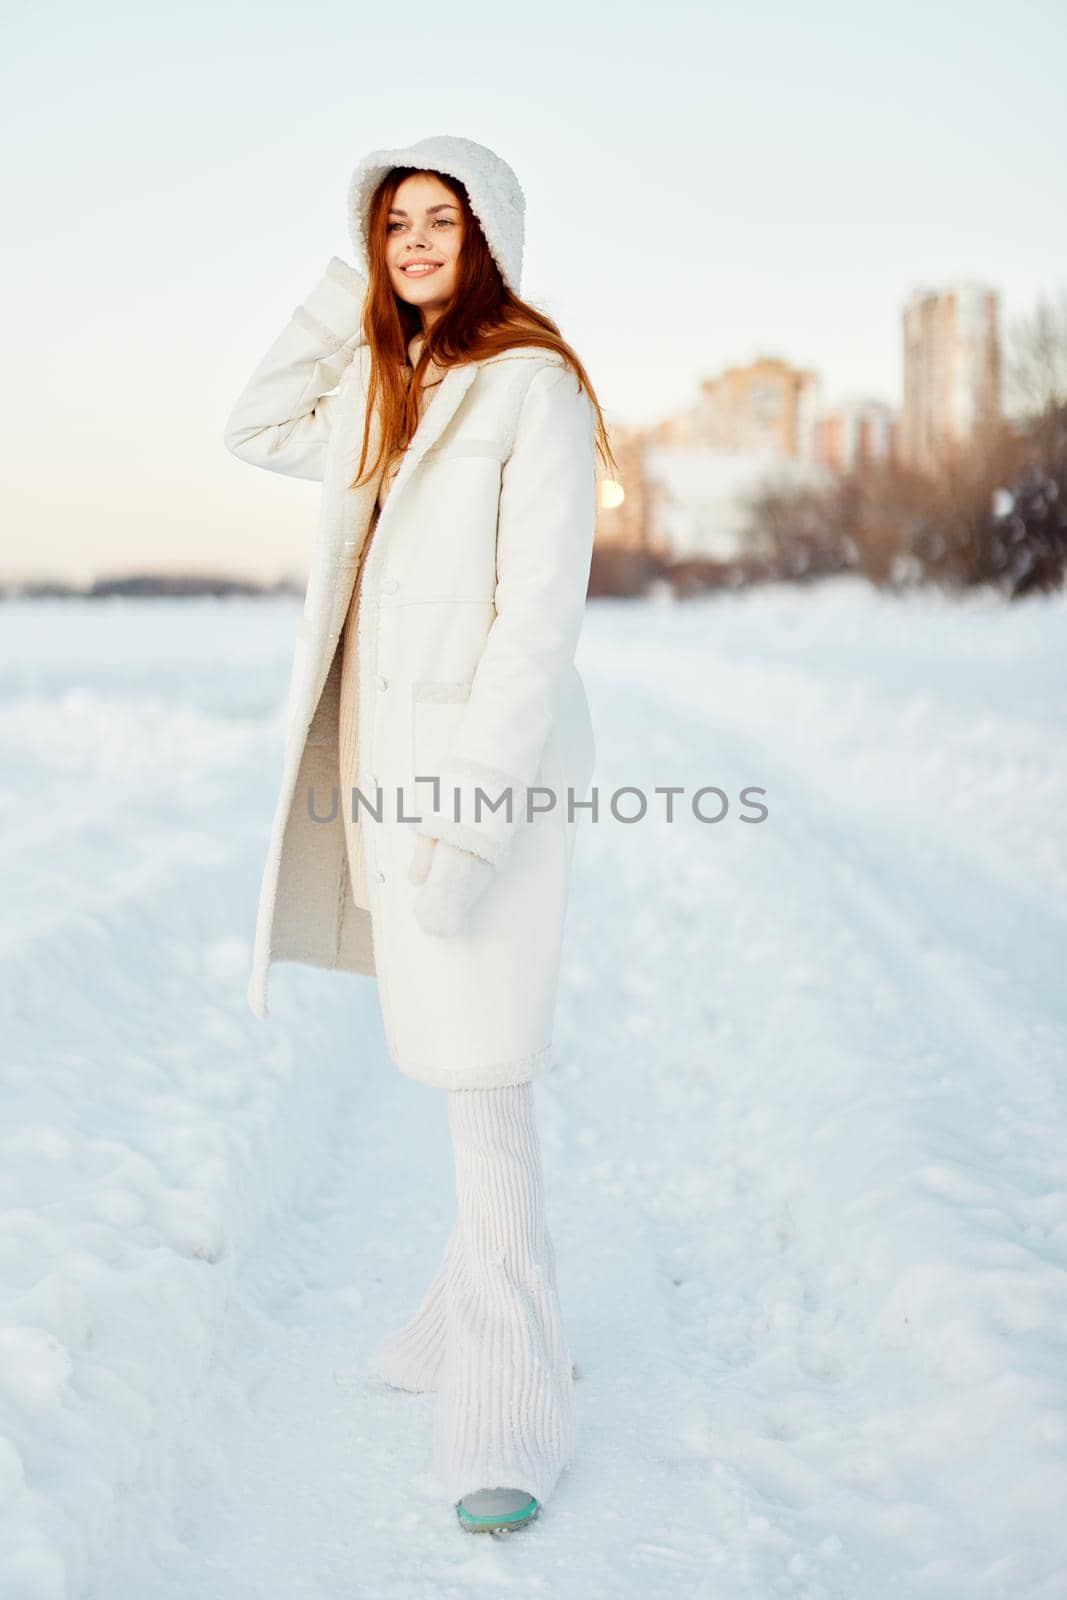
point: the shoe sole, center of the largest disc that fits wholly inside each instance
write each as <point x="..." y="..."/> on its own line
<point x="497" y="1524"/>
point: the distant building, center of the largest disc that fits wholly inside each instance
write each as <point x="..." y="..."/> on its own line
<point x="767" y="407"/>
<point x="692" y="475"/>
<point x="855" y="434"/>
<point x="951" y="371"/>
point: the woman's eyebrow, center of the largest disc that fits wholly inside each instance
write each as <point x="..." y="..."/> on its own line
<point x="445" y="205"/>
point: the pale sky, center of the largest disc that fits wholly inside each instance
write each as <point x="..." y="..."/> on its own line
<point x="704" y="184"/>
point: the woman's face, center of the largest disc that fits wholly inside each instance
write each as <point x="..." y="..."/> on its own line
<point x="424" y="233"/>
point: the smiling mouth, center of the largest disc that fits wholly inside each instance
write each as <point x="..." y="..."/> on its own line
<point x="421" y="269"/>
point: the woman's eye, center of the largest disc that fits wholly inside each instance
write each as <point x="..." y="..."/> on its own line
<point x="448" y="222"/>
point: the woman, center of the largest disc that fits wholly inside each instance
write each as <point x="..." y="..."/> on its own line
<point x="434" y="690"/>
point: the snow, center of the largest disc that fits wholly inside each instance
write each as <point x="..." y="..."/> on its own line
<point x="804" y="1139"/>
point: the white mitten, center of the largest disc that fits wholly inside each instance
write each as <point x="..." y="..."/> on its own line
<point x="451" y="881"/>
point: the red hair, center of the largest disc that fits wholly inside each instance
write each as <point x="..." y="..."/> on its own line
<point x="482" y="319"/>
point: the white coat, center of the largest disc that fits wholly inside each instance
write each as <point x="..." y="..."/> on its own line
<point x="470" y="610"/>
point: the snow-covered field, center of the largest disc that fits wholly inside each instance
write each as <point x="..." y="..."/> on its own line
<point x="805" y="1140"/>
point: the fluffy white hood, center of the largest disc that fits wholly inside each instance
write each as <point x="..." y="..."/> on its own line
<point x="495" y="194"/>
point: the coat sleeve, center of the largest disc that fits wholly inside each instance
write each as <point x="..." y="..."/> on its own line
<point x="545" y="529"/>
<point x="282" y="417"/>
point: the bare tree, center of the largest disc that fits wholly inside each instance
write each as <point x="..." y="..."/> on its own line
<point x="1036" y="369"/>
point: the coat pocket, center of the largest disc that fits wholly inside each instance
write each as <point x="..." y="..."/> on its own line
<point x="436" y="712"/>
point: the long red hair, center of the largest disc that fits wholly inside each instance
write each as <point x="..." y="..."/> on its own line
<point x="482" y="319"/>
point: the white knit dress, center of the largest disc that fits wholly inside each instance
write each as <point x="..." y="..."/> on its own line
<point x="488" y="1335"/>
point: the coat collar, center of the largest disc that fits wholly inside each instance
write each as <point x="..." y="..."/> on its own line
<point x="439" y="413"/>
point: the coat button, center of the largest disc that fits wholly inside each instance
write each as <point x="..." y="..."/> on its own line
<point x="382" y="682"/>
<point x="389" y="586"/>
<point x="380" y="875"/>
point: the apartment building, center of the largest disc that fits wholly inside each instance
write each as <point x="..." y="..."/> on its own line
<point x="952" y="371"/>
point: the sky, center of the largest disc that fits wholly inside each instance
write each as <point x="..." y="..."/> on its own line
<point x="704" y="185"/>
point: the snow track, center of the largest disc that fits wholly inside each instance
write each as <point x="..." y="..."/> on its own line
<point x="803" y="1147"/>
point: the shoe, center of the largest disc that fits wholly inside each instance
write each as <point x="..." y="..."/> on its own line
<point x="493" y="1510"/>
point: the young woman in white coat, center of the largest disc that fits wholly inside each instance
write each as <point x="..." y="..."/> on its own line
<point x="435" y="701"/>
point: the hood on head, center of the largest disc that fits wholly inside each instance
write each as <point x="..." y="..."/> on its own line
<point x="495" y="194"/>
